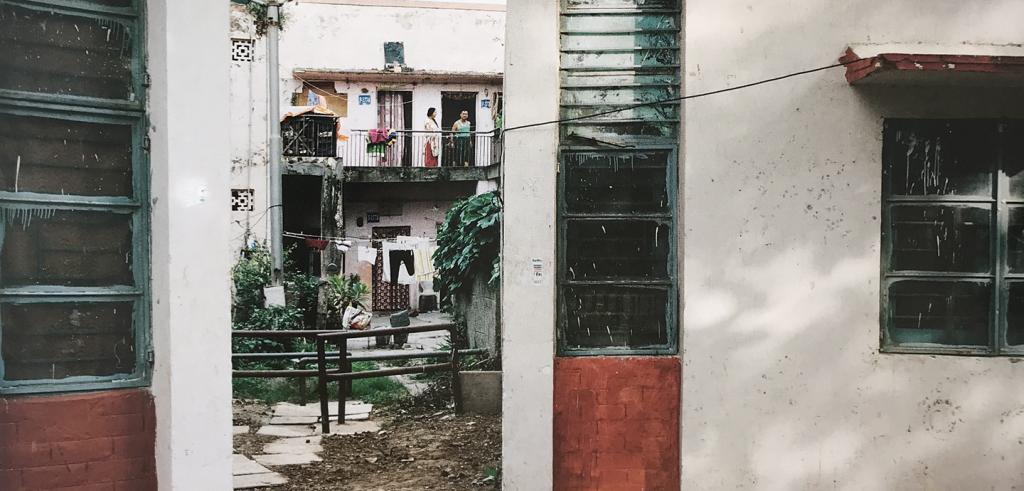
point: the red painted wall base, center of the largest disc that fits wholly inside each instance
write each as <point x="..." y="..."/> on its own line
<point x="616" y="423"/>
<point x="91" y="441"/>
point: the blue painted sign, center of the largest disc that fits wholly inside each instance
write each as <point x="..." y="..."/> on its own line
<point x="485" y="103"/>
<point x="364" y="99"/>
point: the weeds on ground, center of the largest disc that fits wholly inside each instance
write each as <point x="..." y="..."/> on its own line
<point x="378" y="390"/>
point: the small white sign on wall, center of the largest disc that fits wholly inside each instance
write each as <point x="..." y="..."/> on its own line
<point x="537" y="270"/>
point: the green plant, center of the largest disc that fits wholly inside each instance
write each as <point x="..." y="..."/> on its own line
<point x="347" y="291"/>
<point x="250" y="275"/>
<point x="468" y="245"/>
<point x="260" y="19"/>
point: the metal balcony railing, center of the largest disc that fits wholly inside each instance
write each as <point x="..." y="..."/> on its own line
<point x="408" y="149"/>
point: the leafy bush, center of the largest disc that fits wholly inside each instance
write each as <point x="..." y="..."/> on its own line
<point x="468" y="245"/>
<point x="250" y="275"/>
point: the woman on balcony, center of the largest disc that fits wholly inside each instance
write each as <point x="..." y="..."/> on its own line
<point x="462" y="141"/>
<point x="432" y="148"/>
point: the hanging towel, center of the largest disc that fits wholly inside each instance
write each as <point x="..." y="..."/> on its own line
<point x="424" y="263"/>
<point x="367" y="254"/>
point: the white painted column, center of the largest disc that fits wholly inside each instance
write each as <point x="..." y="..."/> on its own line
<point x="188" y="61"/>
<point x="528" y="235"/>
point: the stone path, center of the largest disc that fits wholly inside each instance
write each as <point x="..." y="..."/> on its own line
<point x="298" y="430"/>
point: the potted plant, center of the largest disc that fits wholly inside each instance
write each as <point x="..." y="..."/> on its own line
<point x="346" y="292"/>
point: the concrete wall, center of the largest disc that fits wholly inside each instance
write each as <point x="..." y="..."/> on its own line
<point x="334" y="35"/>
<point x="353" y="37"/>
<point x="190" y="278"/>
<point x="783" y="383"/>
<point x="481" y="308"/>
<point x="528" y="235"/>
<point x="784" y="387"/>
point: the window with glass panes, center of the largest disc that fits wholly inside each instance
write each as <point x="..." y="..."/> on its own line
<point x="74" y="178"/>
<point x="953" y="237"/>
<point x="617" y="177"/>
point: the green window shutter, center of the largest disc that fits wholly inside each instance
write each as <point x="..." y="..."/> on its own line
<point x="74" y="181"/>
<point x="617" y="188"/>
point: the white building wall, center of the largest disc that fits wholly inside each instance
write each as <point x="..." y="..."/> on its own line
<point x="784" y="386"/>
<point x="334" y="35"/>
<point x="352" y="37"/>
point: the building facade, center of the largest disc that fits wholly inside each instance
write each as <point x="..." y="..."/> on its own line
<point x="825" y="291"/>
<point x="375" y="67"/>
<point x="113" y="243"/>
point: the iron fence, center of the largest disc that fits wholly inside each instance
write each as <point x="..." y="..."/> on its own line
<point x="410" y="149"/>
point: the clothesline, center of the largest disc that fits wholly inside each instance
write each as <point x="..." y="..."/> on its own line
<point x="299" y="235"/>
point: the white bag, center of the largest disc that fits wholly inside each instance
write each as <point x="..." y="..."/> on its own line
<point x="355" y="318"/>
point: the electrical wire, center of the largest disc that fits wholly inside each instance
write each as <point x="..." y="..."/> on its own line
<point x="681" y="98"/>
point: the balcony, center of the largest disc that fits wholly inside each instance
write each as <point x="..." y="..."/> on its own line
<point x="408" y="149"/>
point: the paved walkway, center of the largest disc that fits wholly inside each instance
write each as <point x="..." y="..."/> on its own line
<point x="298" y="435"/>
<point x="417" y="340"/>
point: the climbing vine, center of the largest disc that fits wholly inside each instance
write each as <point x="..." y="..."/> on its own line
<point x="468" y="245"/>
<point x="260" y="22"/>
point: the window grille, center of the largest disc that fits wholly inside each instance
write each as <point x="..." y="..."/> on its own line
<point x="241" y="49"/>
<point x="243" y="200"/>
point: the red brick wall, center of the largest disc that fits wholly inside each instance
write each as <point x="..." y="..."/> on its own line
<point x="616" y="423"/>
<point x="91" y="441"/>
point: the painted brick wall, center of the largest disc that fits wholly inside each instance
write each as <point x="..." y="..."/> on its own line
<point x="99" y="441"/>
<point x="616" y="423"/>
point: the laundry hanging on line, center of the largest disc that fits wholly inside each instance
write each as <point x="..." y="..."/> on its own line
<point x="367" y="254"/>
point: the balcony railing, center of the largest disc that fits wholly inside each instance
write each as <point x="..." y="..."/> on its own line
<point x="409" y="149"/>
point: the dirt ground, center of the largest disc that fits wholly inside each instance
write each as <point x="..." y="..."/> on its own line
<point x="417" y="449"/>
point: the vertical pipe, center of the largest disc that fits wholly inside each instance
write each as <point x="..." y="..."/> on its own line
<point x="321" y="367"/>
<point x="274" y="120"/>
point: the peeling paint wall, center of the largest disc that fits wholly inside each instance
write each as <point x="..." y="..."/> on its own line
<point x="783" y="383"/>
<point x="784" y="386"/>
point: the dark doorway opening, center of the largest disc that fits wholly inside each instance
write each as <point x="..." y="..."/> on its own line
<point x="301" y="213"/>
<point x="452" y="104"/>
<point x="394" y="110"/>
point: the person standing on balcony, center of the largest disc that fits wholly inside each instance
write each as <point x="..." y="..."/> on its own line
<point x="432" y="148"/>
<point x="462" y="141"/>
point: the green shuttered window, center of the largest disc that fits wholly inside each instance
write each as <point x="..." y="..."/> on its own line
<point x="74" y="220"/>
<point x="953" y="237"/>
<point x="617" y="177"/>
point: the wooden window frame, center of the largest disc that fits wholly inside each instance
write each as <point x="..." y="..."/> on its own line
<point x="999" y="277"/>
<point x="104" y="111"/>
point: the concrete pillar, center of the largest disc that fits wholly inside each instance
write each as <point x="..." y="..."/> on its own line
<point x="528" y="244"/>
<point x="188" y="61"/>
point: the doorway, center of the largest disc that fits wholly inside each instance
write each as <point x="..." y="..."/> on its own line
<point x="453" y="103"/>
<point x="394" y="110"/>
<point x="301" y="213"/>
<point x="387" y="297"/>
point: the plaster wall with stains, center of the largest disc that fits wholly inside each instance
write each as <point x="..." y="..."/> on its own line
<point x="784" y="386"/>
<point x="351" y="37"/>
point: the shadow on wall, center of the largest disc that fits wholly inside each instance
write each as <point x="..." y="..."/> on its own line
<point x="784" y="387"/>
